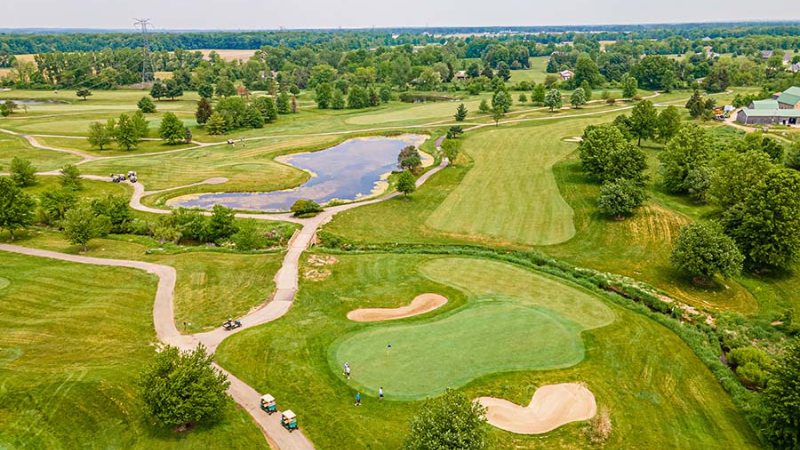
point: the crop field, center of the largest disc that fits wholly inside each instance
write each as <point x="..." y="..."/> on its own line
<point x="633" y="366"/>
<point x="75" y="338"/>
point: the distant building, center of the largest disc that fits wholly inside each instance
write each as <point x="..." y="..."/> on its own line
<point x="783" y="110"/>
<point x="787" y="59"/>
<point x="708" y="49"/>
<point x="461" y="75"/>
<point x="790" y="98"/>
<point x="794" y="68"/>
<point x="566" y="75"/>
<point x="766" y="54"/>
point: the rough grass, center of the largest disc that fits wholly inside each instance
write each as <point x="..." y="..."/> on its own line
<point x="637" y="369"/>
<point x="510" y="193"/>
<point x="43" y="160"/>
<point x="75" y="337"/>
<point x="82" y="145"/>
<point x="414" y="112"/>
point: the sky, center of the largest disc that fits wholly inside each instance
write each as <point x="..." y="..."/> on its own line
<point x="273" y="14"/>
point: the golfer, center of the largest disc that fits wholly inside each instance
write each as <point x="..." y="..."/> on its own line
<point x="358" y="399"/>
<point x="380" y="393"/>
<point x="347" y="370"/>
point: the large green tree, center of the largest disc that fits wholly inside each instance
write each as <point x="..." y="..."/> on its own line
<point x="620" y="197"/>
<point x="81" y="225"/>
<point x="461" y="113"/>
<point x="172" y="129"/>
<point x="70" y="177"/>
<point x="578" y="98"/>
<point x="16" y="207"/>
<point x="126" y="133"/>
<point x="448" y="422"/>
<point x="703" y="250"/>
<point x="222" y="224"/>
<point x="101" y="134"/>
<point x="323" y="95"/>
<point x="766" y="225"/>
<point x="782" y="400"/>
<point x="183" y="388"/>
<point x="22" y="172"/>
<point x="606" y="155"/>
<point x="204" y="111"/>
<point x="216" y="124"/>
<point x="644" y="121"/>
<point x="691" y="148"/>
<point x="736" y="173"/>
<point x="669" y="123"/>
<point x="406" y="183"/>
<point x="553" y="99"/>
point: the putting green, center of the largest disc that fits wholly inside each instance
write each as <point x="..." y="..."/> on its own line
<point x="514" y="320"/>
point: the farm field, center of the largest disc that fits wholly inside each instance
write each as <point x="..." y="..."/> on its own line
<point x="69" y="361"/>
<point x="633" y="366"/>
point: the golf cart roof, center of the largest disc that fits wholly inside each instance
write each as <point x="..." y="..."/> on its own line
<point x="268" y="398"/>
<point x="288" y="414"/>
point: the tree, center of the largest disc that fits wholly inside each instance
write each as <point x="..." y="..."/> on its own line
<point x="586" y="71"/>
<point x="697" y="183"/>
<point x="127" y="133"/>
<point x="323" y="95"/>
<point x="606" y="155"/>
<point x="173" y="89"/>
<point x="222" y="224"/>
<point x="81" y="225"/>
<point x="497" y="114"/>
<point x="782" y="400"/>
<point x="385" y="93"/>
<point x="654" y="72"/>
<point x="182" y="388"/>
<point x="450" y="421"/>
<point x="16" y="207"/>
<point x="620" y="197"/>
<point x="337" y="102"/>
<point x="248" y="237"/>
<point x="54" y="204"/>
<point x="357" y="97"/>
<point x="703" y="250"/>
<point x="454" y="131"/>
<point x="205" y="91"/>
<point x="699" y="107"/>
<point x="461" y="113"/>
<point x="253" y="117"/>
<point x="691" y="148"/>
<point x="577" y="98"/>
<point x="501" y="100"/>
<point x="171" y="129"/>
<point x="305" y="208"/>
<point x="538" y="94"/>
<point x="760" y="142"/>
<point x="204" y="111"/>
<point x="22" y="172"/>
<point x="70" y="177"/>
<point x="553" y="99"/>
<point x="766" y="224"/>
<point x="284" y="106"/>
<point x="644" y="121"/>
<point x="83" y="93"/>
<point x="793" y="157"/>
<point x="225" y="88"/>
<point x="735" y="174"/>
<point x="669" y="123"/>
<point x="187" y="135"/>
<point x="267" y="107"/>
<point x="216" y="124"/>
<point x="630" y="87"/>
<point x="484" y="106"/>
<point x="117" y="210"/>
<point x="522" y="98"/>
<point x="294" y="105"/>
<point x="587" y="90"/>
<point x="158" y="90"/>
<point x="406" y="183"/>
<point x="146" y="106"/>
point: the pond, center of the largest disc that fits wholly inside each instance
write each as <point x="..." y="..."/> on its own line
<point x="35" y="102"/>
<point x="352" y="170"/>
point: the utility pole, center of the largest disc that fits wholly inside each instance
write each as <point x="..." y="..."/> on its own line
<point x="143" y="24"/>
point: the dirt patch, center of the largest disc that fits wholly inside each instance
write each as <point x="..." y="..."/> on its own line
<point x="318" y="272"/>
<point x="321" y="260"/>
<point x="552" y="405"/>
<point x="420" y="305"/>
<point x="313" y="274"/>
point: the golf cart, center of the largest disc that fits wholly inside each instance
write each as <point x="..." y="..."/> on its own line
<point x="230" y="324"/>
<point x="289" y="420"/>
<point x="268" y="404"/>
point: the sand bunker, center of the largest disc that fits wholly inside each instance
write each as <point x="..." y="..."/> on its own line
<point x="574" y="139"/>
<point x="420" y="305"/>
<point x="552" y="406"/>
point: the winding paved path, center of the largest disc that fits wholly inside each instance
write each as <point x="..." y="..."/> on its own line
<point x="286" y="281"/>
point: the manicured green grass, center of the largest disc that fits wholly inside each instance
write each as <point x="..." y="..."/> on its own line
<point x="515" y="320"/>
<point x="536" y="73"/>
<point x="211" y="286"/>
<point x="637" y="369"/>
<point x="75" y="338"/>
<point x="510" y="193"/>
<point x="414" y="112"/>
<point x="43" y="160"/>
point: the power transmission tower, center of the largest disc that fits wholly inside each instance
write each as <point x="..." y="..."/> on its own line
<point x="143" y="24"/>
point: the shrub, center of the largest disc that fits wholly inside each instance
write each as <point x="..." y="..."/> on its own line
<point x="306" y="208"/>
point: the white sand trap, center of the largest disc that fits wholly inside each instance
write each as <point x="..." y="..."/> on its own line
<point x="574" y="139"/>
<point x="552" y="406"/>
<point x="420" y="305"/>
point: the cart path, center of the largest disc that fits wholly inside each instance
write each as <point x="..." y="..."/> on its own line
<point x="286" y="282"/>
